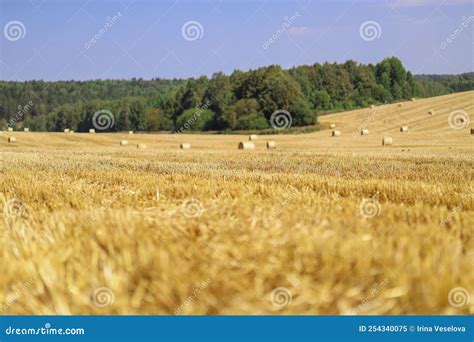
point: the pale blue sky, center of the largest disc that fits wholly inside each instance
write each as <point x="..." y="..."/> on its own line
<point x="146" y="39"/>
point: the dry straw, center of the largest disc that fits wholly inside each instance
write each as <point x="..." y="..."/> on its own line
<point x="246" y="145"/>
<point x="387" y="141"/>
<point x="271" y="145"/>
<point x="92" y="131"/>
<point x="185" y="146"/>
<point x="364" y="131"/>
<point x="141" y="146"/>
<point x="252" y="137"/>
<point x="404" y="129"/>
<point x="67" y="130"/>
<point x="333" y="125"/>
<point x="11" y="139"/>
<point x="336" y="133"/>
<point x="123" y="142"/>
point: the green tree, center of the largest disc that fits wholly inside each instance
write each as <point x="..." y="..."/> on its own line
<point x="252" y="121"/>
<point x="195" y="119"/>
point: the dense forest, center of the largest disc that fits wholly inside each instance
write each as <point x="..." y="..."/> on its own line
<point x="435" y="85"/>
<point x="240" y="101"/>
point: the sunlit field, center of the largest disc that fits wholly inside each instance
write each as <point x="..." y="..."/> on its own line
<point x="319" y="225"/>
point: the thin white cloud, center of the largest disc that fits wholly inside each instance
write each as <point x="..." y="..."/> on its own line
<point x="420" y="3"/>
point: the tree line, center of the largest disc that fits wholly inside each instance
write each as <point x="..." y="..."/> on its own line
<point x="239" y="101"/>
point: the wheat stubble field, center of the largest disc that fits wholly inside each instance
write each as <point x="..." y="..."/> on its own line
<point x="320" y="225"/>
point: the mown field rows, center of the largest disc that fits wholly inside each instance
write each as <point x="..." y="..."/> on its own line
<point x="320" y="225"/>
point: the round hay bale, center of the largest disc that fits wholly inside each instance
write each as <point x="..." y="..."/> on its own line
<point x="123" y="142"/>
<point x="364" y="131"/>
<point x="10" y="129"/>
<point x="333" y="125"/>
<point x="400" y="105"/>
<point x="387" y="141"/>
<point x="404" y="129"/>
<point x="71" y="132"/>
<point x="246" y="145"/>
<point x="141" y="146"/>
<point x="252" y="137"/>
<point x="271" y="145"/>
<point x="336" y="133"/>
<point x="372" y="106"/>
<point x="130" y="132"/>
<point x="26" y="129"/>
<point x="413" y="99"/>
<point x="11" y="139"/>
<point x="92" y="131"/>
<point x="67" y="130"/>
<point x="185" y="146"/>
<point x="431" y="112"/>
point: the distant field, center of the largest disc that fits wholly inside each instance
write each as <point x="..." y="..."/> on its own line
<point x="320" y="225"/>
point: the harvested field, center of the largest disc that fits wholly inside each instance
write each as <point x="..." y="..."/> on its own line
<point x="317" y="226"/>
